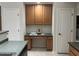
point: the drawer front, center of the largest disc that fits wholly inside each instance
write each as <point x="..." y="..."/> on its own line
<point x="26" y="38"/>
<point x="50" y="38"/>
<point x="41" y="38"/>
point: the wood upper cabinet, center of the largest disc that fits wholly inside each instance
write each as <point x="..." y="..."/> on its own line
<point x="30" y="14"/>
<point x="47" y="14"/>
<point x="39" y="14"/>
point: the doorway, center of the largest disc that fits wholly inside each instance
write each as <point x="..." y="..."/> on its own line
<point x="11" y="23"/>
<point x="0" y="20"/>
<point x="64" y="28"/>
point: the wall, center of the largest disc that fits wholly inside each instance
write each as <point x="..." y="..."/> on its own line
<point x="43" y="28"/>
<point x="61" y="5"/>
<point x="20" y="6"/>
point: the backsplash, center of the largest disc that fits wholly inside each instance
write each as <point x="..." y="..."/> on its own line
<point x="43" y="28"/>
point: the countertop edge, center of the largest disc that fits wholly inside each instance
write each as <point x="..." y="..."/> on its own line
<point x="22" y="50"/>
<point x="2" y="32"/>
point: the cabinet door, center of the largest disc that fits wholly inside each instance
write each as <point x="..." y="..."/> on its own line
<point x="29" y="46"/>
<point x="29" y="14"/>
<point x="47" y="14"/>
<point x="38" y="14"/>
<point x="49" y="43"/>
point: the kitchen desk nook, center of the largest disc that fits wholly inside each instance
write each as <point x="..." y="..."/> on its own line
<point x="47" y="36"/>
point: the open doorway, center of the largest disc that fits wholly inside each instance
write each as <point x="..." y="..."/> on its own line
<point x="77" y="27"/>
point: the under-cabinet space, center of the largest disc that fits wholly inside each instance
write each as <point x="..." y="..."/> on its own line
<point x="46" y="41"/>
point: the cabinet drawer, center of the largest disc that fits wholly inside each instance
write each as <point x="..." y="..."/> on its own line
<point x="26" y="38"/>
<point x="37" y="37"/>
<point x="50" y="38"/>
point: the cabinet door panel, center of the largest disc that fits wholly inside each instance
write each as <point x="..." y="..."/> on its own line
<point x="47" y="14"/>
<point x="29" y="14"/>
<point x="29" y="46"/>
<point x="38" y="14"/>
<point x="49" y="43"/>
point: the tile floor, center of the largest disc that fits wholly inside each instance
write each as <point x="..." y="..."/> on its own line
<point x="43" y="52"/>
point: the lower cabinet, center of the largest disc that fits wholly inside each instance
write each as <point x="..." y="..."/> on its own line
<point x="29" y="46"/>
<point x="49" y="41"/>
<point x="73" y="51"/>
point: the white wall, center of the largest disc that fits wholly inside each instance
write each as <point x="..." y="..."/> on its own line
<point x="20" y="6"/>
<point x="3" y="36"/>
<point x="43" y="28"/>
<point x="61" y="5"/>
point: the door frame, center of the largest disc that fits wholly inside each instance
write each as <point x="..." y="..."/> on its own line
<point x="4" y="20"/>
<point x="54" y="30"/>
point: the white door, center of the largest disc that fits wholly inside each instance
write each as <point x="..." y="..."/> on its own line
<point x="64" y="28"/>
<point x="11" y="20"/>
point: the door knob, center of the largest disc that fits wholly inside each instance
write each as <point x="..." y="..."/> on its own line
<point x="59" y="33"/>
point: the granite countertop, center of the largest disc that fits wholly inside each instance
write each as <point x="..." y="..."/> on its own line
<point x="3" y="35"/>
<point x="15" y="47"/>
<point x="45" y="34"/>
<point x="75" y="45"/>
